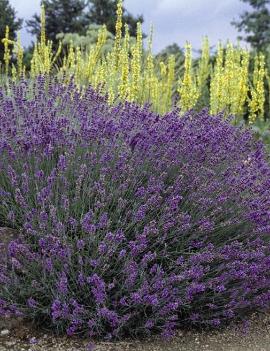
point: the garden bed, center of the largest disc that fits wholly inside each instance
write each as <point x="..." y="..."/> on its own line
<point x="129" y="224"/>
<point x="256" y="338"/>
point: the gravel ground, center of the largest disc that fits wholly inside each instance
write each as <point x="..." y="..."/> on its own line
<point x="18" y="336"/>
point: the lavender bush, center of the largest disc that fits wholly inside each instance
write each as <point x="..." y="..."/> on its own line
<point x="130" y="223"/>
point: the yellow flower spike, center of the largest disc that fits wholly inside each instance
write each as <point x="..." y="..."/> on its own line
<point x="188" y="89"/>
<point x="124" y="59"/>
<point x="71" y="58"/>
<point x="78" y="60"/>
<point x="13" y="73"/>
<point x="43" y="59"/>
<point x="136" y="66"/>
<point x="155" y="94"/>
<point x="163" y="86"/>
<point x="150" y="39"/>
<point x="256" y="103"/>
<point x="33" y="69"/>
<point x="242" y="88"/>
<point x="94" y="54"/>
<point x="170" y="83"/>
<point x="148" y="72"/>
<point x="132" y="90"/>
<point x="7" y="55"/>
<point x="47" y="58"/>
<point x="58" y="52"/>
<point x="126" y="43"/>
<point x="118" y="33"/>
<point x="204" y="65"/>
<point x="111" y="96"/>
<point x="43" y="26"/>
<point x="126" y="71"/>
<point x="19" y="52"/>
<point x="139" y="39"/>
<point x="99" y="78"/>
<point x="216" y="82"/>
<point x="229" y="81"/>
<point x="229" y="69"/>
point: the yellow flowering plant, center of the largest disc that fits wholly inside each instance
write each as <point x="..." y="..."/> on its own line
<point x="128" y="71"/>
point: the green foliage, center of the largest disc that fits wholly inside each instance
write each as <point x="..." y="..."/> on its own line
<point x="88" y="40"/>
<point x="74" y="16"/>
<point x="8" y="18"/>
<point x="65" y="16"/>
<point x="261" y="131"/>
<point x="255" y="24"/>
<point x="173" y="49"/>
<point x="27" y="57"/>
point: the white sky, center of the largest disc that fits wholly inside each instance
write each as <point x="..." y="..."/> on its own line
<point x="173" y="20"/>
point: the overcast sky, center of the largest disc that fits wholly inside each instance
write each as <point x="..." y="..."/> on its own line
<point x="174" y="20"/>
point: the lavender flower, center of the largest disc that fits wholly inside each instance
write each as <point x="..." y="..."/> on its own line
<point x="143" y="219"/>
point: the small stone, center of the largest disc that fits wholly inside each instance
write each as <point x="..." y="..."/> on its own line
<point x="4" y="332"/>
<point x="10" y="343"/>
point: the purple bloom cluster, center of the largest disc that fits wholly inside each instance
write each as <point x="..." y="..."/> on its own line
<point x="130" y="223"/>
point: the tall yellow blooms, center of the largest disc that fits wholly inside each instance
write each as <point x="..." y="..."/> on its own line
<point x="229" y="81"/>
<point x="118" y="32"/>
<point x="94" y="54"/>
<point x="188" y="89"/>
<point x="136" y="62"/>
<point x="149" y="70"/>
<point x="241" y="92"/>
<point x="6" y="41"/>
<point x="203" y="71"/>
<point x="19" y="54"/>
<point x="256" y="103"/>
<point x="43" y="58"/>
<point x="170" y="84"/>
<point x="42" y="26"/>
<point x="127" y="71"/>
<point x="216" y="82"/>
<point x="124" y="59"/>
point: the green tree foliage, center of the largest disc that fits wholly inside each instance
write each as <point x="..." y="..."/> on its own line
<point x="88" y="40"/>
<point x="62" y="16"/>
<point x="103" y="12"/>
<point x="74" y="16"/>
<point x="173" y="49"/>
<point x="8" y="18"/>
<point x="255" y="24"/>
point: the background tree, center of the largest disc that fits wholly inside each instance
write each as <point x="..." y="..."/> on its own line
<point x="173" y="49"/>
<point x="62" y="16"/>
<point x="104" y="12"/>
<point x="88" y="40"/>
<point x="255" y="24"/>
<point x="74" y="16"/>
<point x="8" y="18"/>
